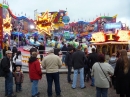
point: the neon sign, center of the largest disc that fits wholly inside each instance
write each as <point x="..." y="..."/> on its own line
<point x="112" y="26"/>
<point x="7" y="26"/>
<point x="123" y="35"/>
<point x="98" y="37"/>
<point x="44" y="23"/>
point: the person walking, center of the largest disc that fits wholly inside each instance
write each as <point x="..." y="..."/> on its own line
<point x="52" y="63"/>
<point x="78" y="63"/>
<point x="122" y="75"/>
<point x="68" y="63"/>
<point x="101" y="71"/>
<point x="8" y="68"/>
<point x="92" y="58"/>
<point x="35" y="73"/>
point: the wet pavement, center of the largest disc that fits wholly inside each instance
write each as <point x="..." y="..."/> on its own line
<point x="66" y="90"/>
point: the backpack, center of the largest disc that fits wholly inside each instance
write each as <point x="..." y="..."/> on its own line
<point x="2" y="72"/>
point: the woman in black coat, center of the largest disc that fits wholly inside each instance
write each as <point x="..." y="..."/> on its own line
<point x="122" y="75"/>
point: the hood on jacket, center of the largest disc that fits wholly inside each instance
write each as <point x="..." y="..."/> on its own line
<point x="32" y="59"/>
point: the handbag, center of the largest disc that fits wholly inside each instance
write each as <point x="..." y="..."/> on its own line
<point x="110" y="84"/>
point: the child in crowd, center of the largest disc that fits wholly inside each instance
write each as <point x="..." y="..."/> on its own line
<point x="18" y="76"/>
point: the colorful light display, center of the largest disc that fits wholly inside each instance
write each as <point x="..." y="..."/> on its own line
<point x="123" y="35"/>
<point x="98" y="37"/>
<point x="44" y="23"/>
<point x="7" y="26"/>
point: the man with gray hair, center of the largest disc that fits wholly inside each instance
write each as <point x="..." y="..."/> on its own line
<point x="52" y="63"/>
<point x="8" y="69"/>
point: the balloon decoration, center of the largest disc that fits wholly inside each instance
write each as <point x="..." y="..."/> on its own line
<point x="7" y="26"/>
<point x="44" y="23"/>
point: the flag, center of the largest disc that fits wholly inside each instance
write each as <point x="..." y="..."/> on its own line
<point x="25" y="14"/>
<point x="108" y="14"/>
<point x="18" y="15"/>
<point x="21" y="12"/>
<point x="104" y="14"/>
<point x="100" y="14"/>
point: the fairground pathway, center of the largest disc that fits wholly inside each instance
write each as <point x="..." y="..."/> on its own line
<point x="65" y="88"/>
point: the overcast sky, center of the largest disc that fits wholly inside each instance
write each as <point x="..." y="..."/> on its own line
<point x="77" y="9"/>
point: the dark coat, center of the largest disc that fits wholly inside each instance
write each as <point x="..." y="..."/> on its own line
<point x="122" y="80"/>
<point x="64" y="49"/>
<point x="41" y="47"/>
<point x="5" y="62"/>
<point x="78" y="59"/>
<point x="14" y="50"/>
<point x="18" y="76"/>
<point x="92" y="58"/>
<point x="68" y="59"/>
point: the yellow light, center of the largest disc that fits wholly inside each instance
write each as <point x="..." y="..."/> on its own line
<point x="123" y="35"/>
<point x="7" y="26"/>
<point x="98" y="37"/>
<point x="44" y="23"/>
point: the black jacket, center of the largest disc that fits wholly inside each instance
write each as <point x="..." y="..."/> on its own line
<point x="122" y="79"/>
<point x="41" y="47"/>
<point x="92" y="58"/>
<point x="5" y="62"/>
<point x="78" y="59"/>
<point x="68" y="59"/>
<point x="64" y="49"/>
<point x="14" y="50"/>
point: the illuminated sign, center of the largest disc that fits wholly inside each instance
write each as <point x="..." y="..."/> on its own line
<point x="7" y="26"/>
<point x="123" y="35"/>
<point x="44" y="23"/>
<point x="98" y="37"/>
<point x="112" y="26"/>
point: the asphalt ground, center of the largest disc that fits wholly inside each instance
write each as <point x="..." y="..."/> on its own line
<point x="66" y="90"/>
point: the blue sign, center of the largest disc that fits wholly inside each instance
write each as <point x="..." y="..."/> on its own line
<point x="112" y="26"/>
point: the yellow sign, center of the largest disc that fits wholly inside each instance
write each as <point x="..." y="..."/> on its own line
<point x="98" y="37"/>
<point x="110" y="36"/>
<point x="44" y="23"/>
<point x="123" y="35"/>
<point x="7" y="26"/>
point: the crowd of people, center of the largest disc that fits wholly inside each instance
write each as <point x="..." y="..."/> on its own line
<point x="91" y="67"/>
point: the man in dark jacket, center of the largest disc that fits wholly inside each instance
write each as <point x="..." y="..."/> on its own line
<point x="92" y="58"/>
<point x="78" y="59"/>
<point x="64" y="51"/>
<point x="41" y="50"/>
<point x="68" y="62"/>
<point x="7" y="68"/>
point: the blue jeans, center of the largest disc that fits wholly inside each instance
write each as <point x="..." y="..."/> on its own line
<point x="63" y="58"/>
<point x="50" y="78"/>
<point x="81" y="70"/>
<point x="18" y="87"/>
<point x="101" y="92"/>
<point x="34" y="87"/>
<point x="9" y="84"/>
<point x="92" y="81"/>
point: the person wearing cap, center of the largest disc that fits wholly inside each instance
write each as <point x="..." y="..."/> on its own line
<point x="68" y="63"/>
<point x="8" y="68"/>
<point x="52" y="63"/>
